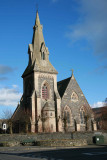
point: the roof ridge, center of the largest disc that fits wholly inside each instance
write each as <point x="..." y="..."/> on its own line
<point x="62" y="85"/>
<point x="64" y="80"/>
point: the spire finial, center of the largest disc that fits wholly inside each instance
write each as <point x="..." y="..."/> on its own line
<point x="37" y="19"/>
<point x="72" y="72"/>
<point x="37" y="7"/>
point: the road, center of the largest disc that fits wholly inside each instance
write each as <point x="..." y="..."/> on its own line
<point x="40" y="153"/>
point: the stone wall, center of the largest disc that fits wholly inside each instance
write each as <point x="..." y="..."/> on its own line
<point x="62" y="143"/>
<point x="53" y="136"/>
<point x="75" y="105"/>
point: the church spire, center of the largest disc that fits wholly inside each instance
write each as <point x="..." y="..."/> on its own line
<point x="38" y="52"/>
<point x="37" y="40"/>
<point x="37" y="29"/>
<point x="37" y="22"/>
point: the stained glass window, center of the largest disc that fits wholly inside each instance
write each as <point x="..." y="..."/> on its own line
<point x="45" y="94"/>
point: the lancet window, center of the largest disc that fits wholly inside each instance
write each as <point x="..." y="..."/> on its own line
<point x="43" y="55"/>
<point x="67" y="114"/>
<point x="45" y="92"/>
<point x="82" y="114"/>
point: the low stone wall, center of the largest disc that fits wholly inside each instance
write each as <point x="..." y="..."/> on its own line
<point x="62" y="143"/>
<point x="53" y="136"/>
<point x="9" y="144"/>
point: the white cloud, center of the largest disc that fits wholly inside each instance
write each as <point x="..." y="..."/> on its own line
<point x="15" y="86"/>
<point x="3" y="78"/>
<point x="5" y="69"/>
<point x="9" y="96"/>
<point x="98" y="104"/>
<point x="91" y="25"/>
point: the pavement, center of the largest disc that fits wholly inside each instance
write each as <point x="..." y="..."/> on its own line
<point x="90" y="152"/>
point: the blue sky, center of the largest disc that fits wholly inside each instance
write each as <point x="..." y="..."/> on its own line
<point x="75" y="34"/>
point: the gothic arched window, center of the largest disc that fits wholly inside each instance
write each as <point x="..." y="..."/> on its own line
<point x="67" y="114"/>
<point x="43" y="56"/>
<point x="82" y="114"/>
<point x="45" y="92"/>
<point x="68" y="117"/>
<point x="74" y="97"/>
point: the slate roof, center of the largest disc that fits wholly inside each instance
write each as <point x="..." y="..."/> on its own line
<point x="48" y="107"/>
<point x="39" y="68"/>
<point x="62" y="85"/>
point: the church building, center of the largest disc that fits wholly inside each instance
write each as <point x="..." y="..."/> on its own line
<point x="47" y="105"/>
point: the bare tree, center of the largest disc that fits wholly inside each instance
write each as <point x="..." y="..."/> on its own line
<point x="7" y="114"/>
<point x="101" y="116"/>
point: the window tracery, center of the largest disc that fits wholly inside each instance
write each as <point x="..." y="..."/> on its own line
<point x="45" y="92"/>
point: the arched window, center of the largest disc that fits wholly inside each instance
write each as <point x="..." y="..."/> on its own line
<point x="68" y="117"/>
<point x="43" y="56"/>
<point x="67" y="114"/>
<point x="45" y="92"/>
<point x="74" y="97"/>
<point x="82" y="115"/>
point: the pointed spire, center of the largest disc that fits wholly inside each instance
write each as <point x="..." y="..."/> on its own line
<point x="37" y="39"/>
<point x="36" y="50"/>
<point x="72" y="72"/>
<point x="37" y="34"/>
<point x="37" y="22"/>
<point x="72" y="76"/>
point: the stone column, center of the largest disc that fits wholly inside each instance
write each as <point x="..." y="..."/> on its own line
<point x="94" y="126"/>
<point x="32" y="127"/>
<point x="40" y="130"/>
<point x="33" y="114"/>
<point x="39" y="115"/>
<point x="59" y="121"/>
<point x="78" y="127"/>
<point x="60" y="129"/>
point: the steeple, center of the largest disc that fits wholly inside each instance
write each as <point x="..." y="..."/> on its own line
<point x="37" y="22"/>
<point x="37" y="40"/>
<point x="37" y="26"/>
<point x="38" y="52"/>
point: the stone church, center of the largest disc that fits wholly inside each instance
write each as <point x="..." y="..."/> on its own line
<point x="48" y="106"/>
